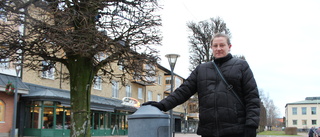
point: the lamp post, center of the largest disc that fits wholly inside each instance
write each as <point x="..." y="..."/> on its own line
<point x="172" y="58"/>
<point x="14" y="121"/>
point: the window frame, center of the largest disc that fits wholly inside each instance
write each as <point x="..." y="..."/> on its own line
<point x="294" y="122"/>
<point x="128" y="91"/>
<point x="115" y="89"/>
<point x="140" y="93"/>
<point x="48" y="74"/>
<point x="313" y="110"/>
<point x="303" y="110"/>
<point x="97" y="84"/>
<point x="150" y="94"/>
<point x="2" y="111"/>
<point x="294" y="111"/>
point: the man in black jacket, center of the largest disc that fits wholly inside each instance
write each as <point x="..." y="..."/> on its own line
<point x="221" y="113"/>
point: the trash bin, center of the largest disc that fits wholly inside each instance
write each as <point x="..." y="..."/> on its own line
<point x="148" y="121"/>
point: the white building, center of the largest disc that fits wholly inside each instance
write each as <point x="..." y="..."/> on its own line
<point x="303" y="114"/>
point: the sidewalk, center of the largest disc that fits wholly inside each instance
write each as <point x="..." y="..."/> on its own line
<point x="195" y="135"/>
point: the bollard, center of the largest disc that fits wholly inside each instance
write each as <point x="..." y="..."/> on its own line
<point x="148" y="121"/>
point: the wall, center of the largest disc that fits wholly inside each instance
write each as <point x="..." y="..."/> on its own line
<point x="6" y="126"/>
<point x="299" y="117"/>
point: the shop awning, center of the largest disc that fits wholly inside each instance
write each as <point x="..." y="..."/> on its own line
<point x="5" y="79"/>
<point x="38" y="92"/>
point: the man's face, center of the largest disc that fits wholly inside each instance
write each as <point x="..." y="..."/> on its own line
<point x="220" y="47"/>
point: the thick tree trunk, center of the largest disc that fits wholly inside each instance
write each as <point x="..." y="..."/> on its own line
<point x="81" y="76"/>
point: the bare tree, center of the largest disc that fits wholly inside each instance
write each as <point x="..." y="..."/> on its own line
<point x="271" y="110"/>
<point x="199" y="39"/>
<point x="76" y="33"/>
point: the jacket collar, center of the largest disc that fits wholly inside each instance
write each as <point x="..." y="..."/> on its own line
<point x="220" y="61"/>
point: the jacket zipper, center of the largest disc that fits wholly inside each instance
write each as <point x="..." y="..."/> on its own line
<point x="216" y="112"/>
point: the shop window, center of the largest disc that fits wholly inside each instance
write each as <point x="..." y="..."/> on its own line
<point x="35" y="118"/>
<point x="2" y="109"/>
<point x="47" y="115"/>
<point x="48" y="118"/>
<point x="100" y="120"/>
<point x="119" y="121"/>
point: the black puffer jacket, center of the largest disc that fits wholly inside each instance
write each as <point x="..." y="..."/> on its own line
<point x="220" y="112"/>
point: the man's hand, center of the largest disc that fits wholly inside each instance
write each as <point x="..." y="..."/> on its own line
<point x="155" y="104"/>
<point x="250" y="131"/>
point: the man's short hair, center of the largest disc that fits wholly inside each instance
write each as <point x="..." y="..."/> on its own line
<point x="221" y="35"/>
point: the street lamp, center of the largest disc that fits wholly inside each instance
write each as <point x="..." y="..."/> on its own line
<point x="172" y="58"/>
<point x="14" y="121"/>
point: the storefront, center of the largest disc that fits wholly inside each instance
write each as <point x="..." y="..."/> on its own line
<point x="8" y="85"/>
<point x="46" y="112"/>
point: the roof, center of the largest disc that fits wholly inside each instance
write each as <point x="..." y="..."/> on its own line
<point x="308" y="100"/>
<point x="38" y="92"/>
<point x="16" y="81"/>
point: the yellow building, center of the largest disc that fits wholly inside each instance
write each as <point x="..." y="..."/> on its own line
<point x="303" y="114"/>
<point x="47" y="105"/>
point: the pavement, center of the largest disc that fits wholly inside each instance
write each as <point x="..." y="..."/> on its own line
<point x="195" y="135"/>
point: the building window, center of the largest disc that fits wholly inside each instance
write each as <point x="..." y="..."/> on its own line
<point x="168" y="80"/>
<point x="47" y="70"/>
<point x="149" y="95"/>
<point x="313" y="110"/>
<point x="3" y="16"/>
<point x="115" y="89"/>
<point x="47" y="115"/>
<point x="294" y="122"/>
<point x="304" y="110"/>
<point x="151" y="73"/>
<point x="304" y="122"/>
<point x="120" y="65"/>
<point x="97" y="83"/>
<point x="140" y="95"/>
<point x="2" y="111"/>
<point x="100" y="56"/>
<point x="177" y="82"/>
<point x="4" y="63"/>
<point x="128" y="91"/>
<point x="294" y="111"/>
<point x="159" y="97"/>
<point x="159" y="80"/>
<point x="314" y="122"/>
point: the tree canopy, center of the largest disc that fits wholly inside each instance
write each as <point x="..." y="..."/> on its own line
<point x="87" y="37"/>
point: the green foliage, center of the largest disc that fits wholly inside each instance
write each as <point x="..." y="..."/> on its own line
<point x="275" y="133"/>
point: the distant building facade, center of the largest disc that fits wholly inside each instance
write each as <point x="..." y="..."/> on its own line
<point x="303" y="114"/>
<point x="44" y="103"/>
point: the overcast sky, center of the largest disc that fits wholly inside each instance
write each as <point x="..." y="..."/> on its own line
<point x="279" y="38"/>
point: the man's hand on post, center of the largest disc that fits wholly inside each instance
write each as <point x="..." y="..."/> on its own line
<point x="155" y="104"/>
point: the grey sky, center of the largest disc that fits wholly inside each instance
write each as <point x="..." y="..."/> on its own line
<point x="279" y="38"/>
